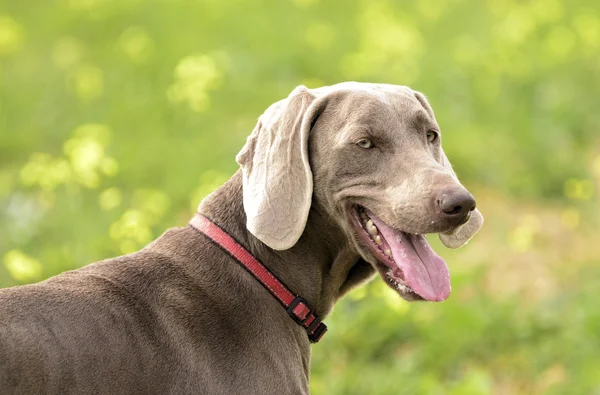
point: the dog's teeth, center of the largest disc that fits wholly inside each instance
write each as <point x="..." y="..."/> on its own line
<point x="373" y="230"/>
<point x="388" y="252"/>
<point x="378" y="240"/>
<point x="369" y="224"/>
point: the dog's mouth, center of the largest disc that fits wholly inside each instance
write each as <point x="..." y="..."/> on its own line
<point x="405" y="261"/>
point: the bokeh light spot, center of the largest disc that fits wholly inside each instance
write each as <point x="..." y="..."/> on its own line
<point x="210" y="180"/>
<point x="46" y="171"/>
<point x="587" y="24"/>
<point x="516" y="27"/>
<point x="393" y="301"/>
<point x="22" y="267"/>
<point x="559" y="43"/>
<point x="153" y="203"/>
<point x="570" y="218"/>
<point x="551" y="377"/>
<point x="579" y="189"/>
<point x="109" y="166"/>
<point x="11" y="35"/>
<point x="358" y="293"/>
<point x="110" y="198"/>
<point x="136" y="44"/>
<point x="67" y="52"/>
<point x="521" y="237"/>
<point x="195" y="76"/>
<point x="128" y="246"/>
<point x="546" y="11"/>
<point x="596" y="166"/>
<point x="87" y="82"/>
<point x="386" y="36"/>
<point x="133" y="226"/>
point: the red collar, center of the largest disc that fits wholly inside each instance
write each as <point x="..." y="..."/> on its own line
<point x="295" y="306"/>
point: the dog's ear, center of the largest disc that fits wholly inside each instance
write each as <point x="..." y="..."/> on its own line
<point x="464" y="233"/>
<point x="423" y="100"/>
<point x="277" y="179"/>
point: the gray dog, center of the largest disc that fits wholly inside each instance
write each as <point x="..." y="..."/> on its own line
<point x="336" y="184"/>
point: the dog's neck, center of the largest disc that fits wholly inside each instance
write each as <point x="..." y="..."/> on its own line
<point x="321" y="267"/>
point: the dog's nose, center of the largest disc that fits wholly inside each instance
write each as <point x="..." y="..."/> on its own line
<point x="456" y="203"/>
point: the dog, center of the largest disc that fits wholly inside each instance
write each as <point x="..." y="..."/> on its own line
<point x="335" y="185"/>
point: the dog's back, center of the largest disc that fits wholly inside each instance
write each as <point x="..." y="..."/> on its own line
<point x="159" y="321"/>
<point x="81" y="330"/>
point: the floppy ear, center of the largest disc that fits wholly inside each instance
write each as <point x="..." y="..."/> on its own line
<point x="423" y="100"/>
<point x="464" y="233"/>
<point x="277" y="179"/>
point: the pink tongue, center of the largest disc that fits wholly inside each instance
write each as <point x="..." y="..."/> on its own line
<point x="424" y="271"/>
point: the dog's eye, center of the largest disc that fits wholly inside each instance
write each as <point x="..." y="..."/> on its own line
<point x="365" y="143"/>
<point x="432" y="136"/>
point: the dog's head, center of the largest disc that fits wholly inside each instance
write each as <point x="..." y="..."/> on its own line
<point x="373" y="154"/>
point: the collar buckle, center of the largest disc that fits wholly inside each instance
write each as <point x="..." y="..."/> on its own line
<point x="299" y="310"/>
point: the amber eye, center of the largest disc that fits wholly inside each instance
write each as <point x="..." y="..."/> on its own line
<point x="432" y="136"/>
<point x="365" y="143"/>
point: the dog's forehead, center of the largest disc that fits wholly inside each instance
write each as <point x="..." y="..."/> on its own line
<point x="377" y="103"/>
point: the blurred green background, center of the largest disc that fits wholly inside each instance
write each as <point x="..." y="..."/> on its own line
<point x="118" y="116"/>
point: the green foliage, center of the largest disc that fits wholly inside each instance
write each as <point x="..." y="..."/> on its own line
<point x="118" y="116"/>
